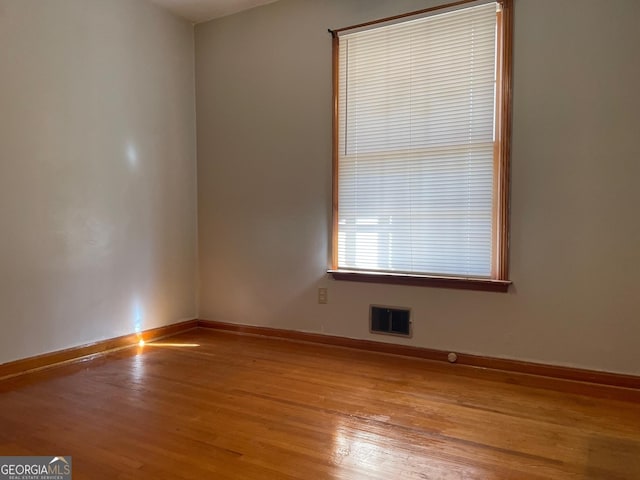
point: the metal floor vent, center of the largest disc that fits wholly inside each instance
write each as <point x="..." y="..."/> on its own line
<point x="390" y="320"/>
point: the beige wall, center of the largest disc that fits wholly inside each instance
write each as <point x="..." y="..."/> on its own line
<point x="97" y="180"/>
<point x="97" y="172"/>
<point x="264" y="168"/>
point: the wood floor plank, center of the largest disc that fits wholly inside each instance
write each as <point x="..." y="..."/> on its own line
<point x="212" y="404"/>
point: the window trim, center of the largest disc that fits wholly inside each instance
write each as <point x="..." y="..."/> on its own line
<point x="464" y="283"/>
<point x="499" y="280"/>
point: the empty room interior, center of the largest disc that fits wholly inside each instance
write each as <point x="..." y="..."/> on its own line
<point x="320" y="239"/>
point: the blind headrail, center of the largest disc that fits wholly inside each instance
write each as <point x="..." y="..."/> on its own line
<point x="425" y="12"/>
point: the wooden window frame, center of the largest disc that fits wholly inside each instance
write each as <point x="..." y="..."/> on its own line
<point x="499" y="281"/>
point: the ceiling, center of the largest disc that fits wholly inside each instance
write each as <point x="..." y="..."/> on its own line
<point x="202" y="10"/>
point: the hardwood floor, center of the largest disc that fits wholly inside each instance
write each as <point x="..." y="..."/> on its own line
<point x="217" y="405"/>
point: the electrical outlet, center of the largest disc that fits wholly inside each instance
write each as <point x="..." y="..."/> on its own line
<point x="323" y="296"/>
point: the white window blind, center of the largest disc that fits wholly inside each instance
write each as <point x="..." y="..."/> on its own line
<point x="416" y="107"/>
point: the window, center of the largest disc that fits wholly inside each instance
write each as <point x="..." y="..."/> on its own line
<point x="421" y="143"/>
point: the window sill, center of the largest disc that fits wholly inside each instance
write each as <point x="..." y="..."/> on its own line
<point x="462" y="283"/>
